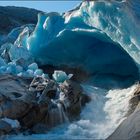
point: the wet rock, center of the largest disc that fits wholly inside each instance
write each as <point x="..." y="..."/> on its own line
<point x="41" y="105"/>
<point x="40" y="128"/>
<point x="85" y="99"/>
<point x="14" y="123"/>
<point x="31" y="118"/>
<point x="4" y="127"/>
<point x="11" y="86"/>
<point x="14" y="108"/>
<point x="70" y="93"/>
<point x="50" y="90"/>
<point x="55" y="116"/>
<point x="70" y="97"/>
<point x="38" y="84"/>
<point x="12" y="91"/>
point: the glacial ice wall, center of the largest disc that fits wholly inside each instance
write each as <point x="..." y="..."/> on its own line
<point x="100" y="37"/>
<point x="119" y="19"/>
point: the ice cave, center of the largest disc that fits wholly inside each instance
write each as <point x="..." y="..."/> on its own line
<point x="82" y="65"/>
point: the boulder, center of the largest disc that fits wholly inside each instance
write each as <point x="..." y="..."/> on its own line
<point x="72" y="98"/>
<point x="40" y="128"/>
<point x="14" y="109"/>
<point x="40" y="104"/>
<point x="4" y="127"/>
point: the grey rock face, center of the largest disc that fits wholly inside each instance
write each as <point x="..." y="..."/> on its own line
<point x="4" y="127"/>
<point x="12" y="17"/>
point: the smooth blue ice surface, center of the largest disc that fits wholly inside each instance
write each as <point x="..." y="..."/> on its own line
<point x="61" y="76"/>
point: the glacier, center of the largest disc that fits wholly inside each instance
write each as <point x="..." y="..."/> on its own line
<point x="99" y="37"/>
<point x="91" y="38"/>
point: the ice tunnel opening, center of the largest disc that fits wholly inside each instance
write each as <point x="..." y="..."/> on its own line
<point x="90" y="56"/>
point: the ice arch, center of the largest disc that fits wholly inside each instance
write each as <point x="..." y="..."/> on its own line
<point x="90" y="38"/>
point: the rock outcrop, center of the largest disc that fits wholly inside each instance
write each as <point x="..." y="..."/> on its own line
<point x="40" y="105"/>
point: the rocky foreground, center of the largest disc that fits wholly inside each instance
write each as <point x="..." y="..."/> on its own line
<point x="36" y="106"/>
<point x="30" y="106"/>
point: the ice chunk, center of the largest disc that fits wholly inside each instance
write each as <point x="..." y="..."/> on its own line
<point x="23" y="63"/>
<point x="60" y="76"/>
<point x="22" y="38"/>
<point x="29" y="73"/>
<point x="5" y="46"/>
<point x="33" y="66"/>
<point x="38" y="72"/>
<point x="2" y="62"/>
<point x="20" y="74"/>
<point x="11" y="68"/>
<point x="19" y="69"/>
<point x="16" y="53"/>
<point x="3" y="69"/>
<point x="45" y="75"/>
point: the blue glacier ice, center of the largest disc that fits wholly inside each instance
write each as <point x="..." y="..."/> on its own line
<point x="38" y="72"/>
<point x="61" y="76"/>
<point x="2" y="62"/>
<point x="88" y="38"/>
<point x="16" y="53"/>
<point x="33" y="66"/>
<point x="22" y="38"/>
<point x="94" y="37"/>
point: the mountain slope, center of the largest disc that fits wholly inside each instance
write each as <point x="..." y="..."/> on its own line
<point x="12" y="17"/>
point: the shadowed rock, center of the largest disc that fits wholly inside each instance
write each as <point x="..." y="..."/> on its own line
<point x="13" y="17"/>
<point x="41" y="105"/>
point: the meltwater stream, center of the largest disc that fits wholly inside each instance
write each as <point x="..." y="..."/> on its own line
<point x="103" y="114"/>
<point x="99" y="118"/>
